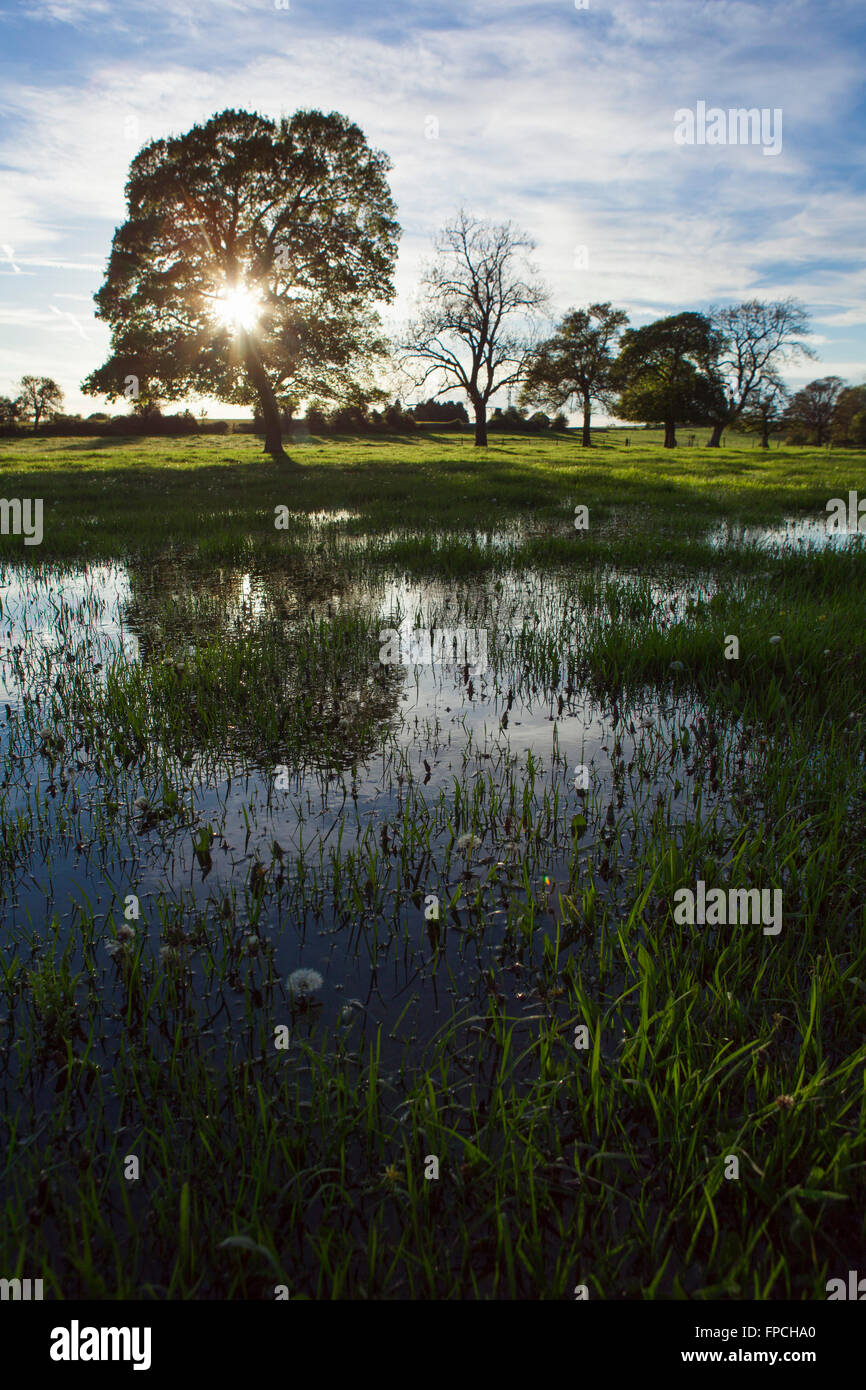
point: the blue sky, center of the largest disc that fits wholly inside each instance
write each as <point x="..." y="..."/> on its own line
<point x="557" y="117"/>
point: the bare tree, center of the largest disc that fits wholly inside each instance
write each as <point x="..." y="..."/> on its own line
<point x="475" y="327"/>
<point x="766" y="410"/>
<point x="754" y="339"/>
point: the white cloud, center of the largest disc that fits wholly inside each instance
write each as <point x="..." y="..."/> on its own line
<point x="559" y="119"/>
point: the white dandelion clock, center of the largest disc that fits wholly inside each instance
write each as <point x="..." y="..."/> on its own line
<point x="304" y="983"/>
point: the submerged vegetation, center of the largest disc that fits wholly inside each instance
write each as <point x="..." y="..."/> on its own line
<point x="283" y="923"/>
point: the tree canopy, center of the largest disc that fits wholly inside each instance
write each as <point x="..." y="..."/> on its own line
<point x="849" y="417"/>
<point x="576" y="362"/>
<point x="664" y="373"/>
<point x="812" y="408"/>
<point x="39" y="397"/>
<point x="250" y="264"/>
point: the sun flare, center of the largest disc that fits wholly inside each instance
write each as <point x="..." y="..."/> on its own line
<point x="237" y="307"/>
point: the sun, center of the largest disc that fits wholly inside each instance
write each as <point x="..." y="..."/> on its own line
<point x="237" y="307"/>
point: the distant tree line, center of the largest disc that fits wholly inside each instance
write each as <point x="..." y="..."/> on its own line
<point x="38" y="410"/>
<point x="439" y="415"/>
<point x="826" y="411"/>
<point x="46" y="417"/>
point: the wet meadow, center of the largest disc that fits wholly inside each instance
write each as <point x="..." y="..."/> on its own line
<point x="325" y="976"/>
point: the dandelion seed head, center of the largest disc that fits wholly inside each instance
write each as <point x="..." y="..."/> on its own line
<point x="304" y="982"/>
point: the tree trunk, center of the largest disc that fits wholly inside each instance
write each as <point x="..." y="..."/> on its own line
<point x="587" y="439"/>
<point x="765" y="434"/>
<point x="267" y="402"/>
<point x="480" y="425"/>
<point x="713" y="441"/>
<point x="670" y="434"/>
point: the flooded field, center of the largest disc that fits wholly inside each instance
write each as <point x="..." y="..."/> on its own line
<point x="129" y="769"/>
<point x="358" y="910"/>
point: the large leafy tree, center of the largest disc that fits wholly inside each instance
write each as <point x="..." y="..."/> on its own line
<point x="474" y="329"/>
<point x="576" y="363"/>
<point x="39" y="397"/>
<point x="755" y="339"/>
<point x="249" y="265"/>
<point x="664" y="372"/>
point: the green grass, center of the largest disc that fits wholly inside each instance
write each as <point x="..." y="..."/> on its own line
<point x="214" y="498"/>
<point x="558" y="1166"/>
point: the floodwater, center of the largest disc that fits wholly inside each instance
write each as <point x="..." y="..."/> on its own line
<point x="464" y="786"/>
<point x="793" y="533"/>
<point x="467" y="789"/>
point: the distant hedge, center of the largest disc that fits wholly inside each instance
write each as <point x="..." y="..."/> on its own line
<point x="353" y="419"/>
